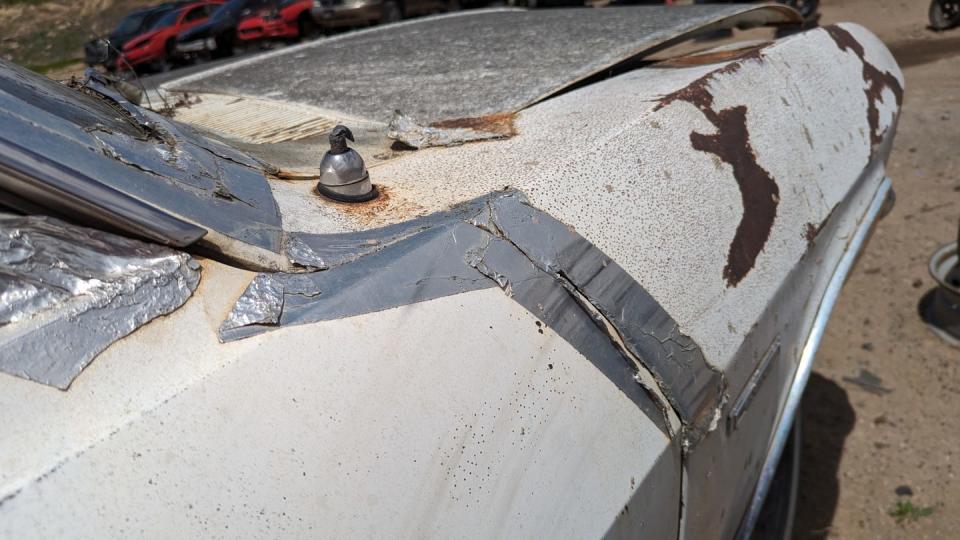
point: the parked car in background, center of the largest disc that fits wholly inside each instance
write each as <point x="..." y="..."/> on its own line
<point x="288" y="19"/>
<point x="157" y="46"/>
<point x="218" y="36"/>
<point x="105" y="50"/>
<point x="340" y="13"/>
<point x="807" y="8"/>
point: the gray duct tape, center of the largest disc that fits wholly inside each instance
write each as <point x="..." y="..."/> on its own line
<point x="496" y="240"/>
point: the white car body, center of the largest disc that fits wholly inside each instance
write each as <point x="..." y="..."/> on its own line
<point x="476" y="414"/>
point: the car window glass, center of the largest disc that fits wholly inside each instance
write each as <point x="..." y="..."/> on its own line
<point x="195" y="14"/>
<point x="131" y="23"/>
<point x="168" y="19"/>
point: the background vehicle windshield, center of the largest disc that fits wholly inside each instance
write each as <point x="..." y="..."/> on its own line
<point x="168" y="19"/>
<point x="230" y="8"/>
<point x="132" y="22"/>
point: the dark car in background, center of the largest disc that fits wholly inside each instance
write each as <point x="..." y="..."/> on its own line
<point x="105" y="50"/>
<point x="157" y="46"/>
<point x="340" y="13"/>
<point x="218" y="36"/>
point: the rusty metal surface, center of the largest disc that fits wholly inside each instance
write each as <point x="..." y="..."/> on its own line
<point x="406" y="130"/>
<point x="67" y="293"/>
<point x="467" y="65"/>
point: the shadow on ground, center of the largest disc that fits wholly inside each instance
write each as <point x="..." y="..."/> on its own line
<point x="828" y="418"/>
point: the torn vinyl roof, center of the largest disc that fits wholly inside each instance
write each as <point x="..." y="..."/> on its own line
<point x="468" y="64"/>
<point x="87" y="154"/>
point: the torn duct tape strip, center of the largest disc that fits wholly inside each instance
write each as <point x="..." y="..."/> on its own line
<point x="323" y="251"/>
<point x="69" y="292"/>
<point x="693" y="387"/>
<point x="549" y="269"/>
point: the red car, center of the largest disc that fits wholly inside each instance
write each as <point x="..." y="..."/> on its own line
<point x="287" y="19"/>
<point x="157" y="45"/>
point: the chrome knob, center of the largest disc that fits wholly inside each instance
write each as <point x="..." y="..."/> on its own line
<point x="343" y="176"/>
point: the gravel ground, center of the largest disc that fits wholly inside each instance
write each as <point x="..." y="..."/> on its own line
<point x="880" y="413"/>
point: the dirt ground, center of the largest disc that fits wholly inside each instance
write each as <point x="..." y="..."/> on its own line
<point x="880" y="415"/>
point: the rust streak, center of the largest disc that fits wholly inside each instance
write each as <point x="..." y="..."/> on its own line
<point x="876" y="81"/>
<point x="731" y="144"/>
<point x="811" y="230"/>
<point x="499" y="123"/>
<point x="712" y="57"/>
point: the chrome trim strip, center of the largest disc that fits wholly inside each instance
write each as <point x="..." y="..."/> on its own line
<point x="830" y="296"/>
<point x="753" y="384"/>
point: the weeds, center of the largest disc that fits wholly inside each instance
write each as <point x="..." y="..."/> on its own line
<point x="906" y="511"/>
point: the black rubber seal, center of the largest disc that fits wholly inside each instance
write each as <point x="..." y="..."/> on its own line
<point x="332" y="195"/>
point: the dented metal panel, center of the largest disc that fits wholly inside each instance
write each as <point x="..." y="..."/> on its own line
<point x="467" y="65"/>
<point x="67" y="293"/>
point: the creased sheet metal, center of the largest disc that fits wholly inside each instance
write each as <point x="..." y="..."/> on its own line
<point x="67" y="293"/>
<point x="502" y="241"/>
<point x="404" y="129"/>
<point x="89" y="154"/>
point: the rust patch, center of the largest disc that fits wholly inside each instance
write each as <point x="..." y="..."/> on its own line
<point x="731" y="144"/>
<point x="810" y="232"/>
<point x="499" y="123"/>
<point x="387" y="208"/>
<point x="876" y="81"/>
<point x="712" y="57"/>
<point x="285" y="174"/>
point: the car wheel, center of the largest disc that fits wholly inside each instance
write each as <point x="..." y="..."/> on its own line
<point x="224" y="47"/>
<point x="169" y="55"/>
<point x="391" y="12"/>
<point x="775" y="521"/>
<point x="944" y="15"/>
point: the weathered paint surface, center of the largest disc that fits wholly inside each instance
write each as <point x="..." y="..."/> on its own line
<point x="387" y="413"/>
<point x="731" y="143"/>
<point x="322" y="430"/>
<point x="613" y="145"/>
<point x="877" y="81"/>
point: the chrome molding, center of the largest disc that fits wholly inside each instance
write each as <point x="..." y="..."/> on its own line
<point x="830" y="296"/>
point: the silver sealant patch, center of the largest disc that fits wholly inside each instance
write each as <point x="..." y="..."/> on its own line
<point x="68" y="292"/>
<point x="498" y="241"/>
